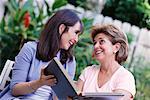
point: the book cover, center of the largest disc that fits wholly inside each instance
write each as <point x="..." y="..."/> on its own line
<point x="65" y="86"/>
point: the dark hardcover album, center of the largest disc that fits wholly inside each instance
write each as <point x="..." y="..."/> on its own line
<point x="65" y="86"/>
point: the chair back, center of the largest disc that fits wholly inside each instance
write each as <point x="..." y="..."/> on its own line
<point x="5" y="74"/>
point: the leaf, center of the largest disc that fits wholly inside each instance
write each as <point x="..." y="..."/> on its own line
<point x="59" y="3"/>
<point x="28" y="6"/>
<point x="2" y="25"/>
<point x="14" y="4"/>
<point x="11" y="10"/>
<point x="49" y="12"/>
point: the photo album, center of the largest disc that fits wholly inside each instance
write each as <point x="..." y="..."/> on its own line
<point x="65" y="86"/>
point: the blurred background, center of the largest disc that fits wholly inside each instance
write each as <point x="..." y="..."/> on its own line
<point x="23" y="20"/>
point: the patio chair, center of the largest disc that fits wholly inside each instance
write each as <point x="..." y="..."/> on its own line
<point x="5" y="74"/>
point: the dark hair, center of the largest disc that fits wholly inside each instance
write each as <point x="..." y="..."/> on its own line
<point x="116" y="36"/>
<point x="49" y="41"/>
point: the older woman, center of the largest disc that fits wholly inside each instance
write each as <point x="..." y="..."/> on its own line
<point x="110" y="50"/>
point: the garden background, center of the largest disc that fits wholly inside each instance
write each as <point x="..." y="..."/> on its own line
<point x="23" y="20"/>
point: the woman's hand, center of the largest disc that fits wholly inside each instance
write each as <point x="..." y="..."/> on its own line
<point x="23" y="88"/>
<point x="49" y="80"/>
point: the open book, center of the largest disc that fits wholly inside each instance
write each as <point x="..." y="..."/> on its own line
<point x="65" y="86"/>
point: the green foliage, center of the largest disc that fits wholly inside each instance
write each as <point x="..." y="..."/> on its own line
<point x="141" y="72"/>
<point x="13" y="31"/>
<point x="83" y="49"/>
<point x="136" y="12"/>
<point x="58" y="4"/>
<point x="130" y="37"/>
<point x="83" y="4"/>
<point x="142" y="76"/>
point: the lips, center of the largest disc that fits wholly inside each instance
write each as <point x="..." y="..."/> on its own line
<point x="97" y="52"/>
<point x="72" y="42"/>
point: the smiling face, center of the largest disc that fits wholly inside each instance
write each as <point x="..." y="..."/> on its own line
<point x="110" y="43"/>
<point x="103" y="48"/>
<point x="70" y="37"/>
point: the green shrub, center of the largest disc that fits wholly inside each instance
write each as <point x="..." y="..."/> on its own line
<point x="141" y="72"/>
<point x="136" y="12"/>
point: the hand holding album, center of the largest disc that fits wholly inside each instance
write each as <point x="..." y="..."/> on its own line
<point x="65" y="86"/>
<point x="47" y="79"/>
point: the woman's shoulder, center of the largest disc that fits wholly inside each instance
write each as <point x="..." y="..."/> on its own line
<point x="91" y="68"/>
<point x="89" y="72"/>
<point x="124" y="72"/>
<point x="28" y="48"/>
<point x="31" y="44"/>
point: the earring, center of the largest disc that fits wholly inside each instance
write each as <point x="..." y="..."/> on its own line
<point x="114" y="52"/>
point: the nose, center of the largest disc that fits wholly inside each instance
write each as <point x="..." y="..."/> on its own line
<point x="76" y="38"/>
<point x="96" y="45"/>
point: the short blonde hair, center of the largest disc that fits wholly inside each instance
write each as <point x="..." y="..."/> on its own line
<point x="116" y="36"/>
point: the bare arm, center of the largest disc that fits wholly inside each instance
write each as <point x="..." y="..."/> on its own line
<point x="127" y="95"/>
<point x="29" y="87"/>
<point x="25" y="88"/>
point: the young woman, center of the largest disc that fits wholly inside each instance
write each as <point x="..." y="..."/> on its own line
<point x="59" y="35"/>
<point x="110" y="50"/>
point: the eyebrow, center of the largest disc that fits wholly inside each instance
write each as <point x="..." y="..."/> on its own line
<point x="98" y="39"/>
